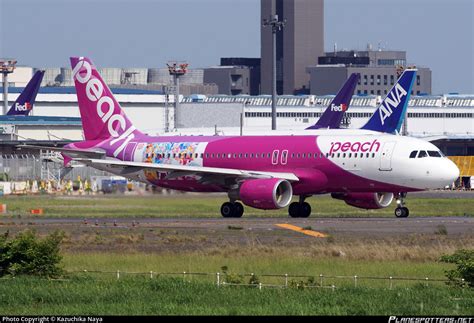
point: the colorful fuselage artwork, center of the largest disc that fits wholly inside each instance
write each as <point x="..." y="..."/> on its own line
<point x="173" y="153"/>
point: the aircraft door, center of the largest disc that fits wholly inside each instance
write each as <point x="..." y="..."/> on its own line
<point x="386" y="156"/>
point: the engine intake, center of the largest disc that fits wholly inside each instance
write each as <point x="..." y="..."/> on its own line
<point x="266" y="194"/>
<point x="365" y="200"/>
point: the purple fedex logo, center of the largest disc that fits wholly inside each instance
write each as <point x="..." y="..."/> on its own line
<point x="355" y="147"/>
<point x="100" y="97"/>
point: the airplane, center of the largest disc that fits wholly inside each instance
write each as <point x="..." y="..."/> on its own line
<point x="264" y="172"/>
<point x="26" y="100"/>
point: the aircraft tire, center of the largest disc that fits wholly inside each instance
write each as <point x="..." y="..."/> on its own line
<point x="402" y="212"/>
<point x="305" y="210"/>
<point x="238" y="210"/>
<point x="294" y="210"/>
<point x="227" y="210"/>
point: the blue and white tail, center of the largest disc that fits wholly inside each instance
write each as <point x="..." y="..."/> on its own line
<point x="389" y="115"/>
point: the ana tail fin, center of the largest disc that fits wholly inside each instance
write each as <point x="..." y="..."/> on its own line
<point x="101" y="114"/>
<point x="26" y="100"/>
<point x="389" y="115"/>
<point x="333" y="114"/>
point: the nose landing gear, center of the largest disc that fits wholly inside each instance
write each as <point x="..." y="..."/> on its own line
<point x="401" y="211"/>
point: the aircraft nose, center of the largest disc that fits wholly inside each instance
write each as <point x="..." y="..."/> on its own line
<point x="451" y="171"/>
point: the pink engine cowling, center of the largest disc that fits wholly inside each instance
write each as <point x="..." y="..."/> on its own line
<point x="266" y="194"/>
<point x="365" y="200"/>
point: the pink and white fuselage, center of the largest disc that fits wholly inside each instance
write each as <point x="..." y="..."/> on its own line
<point x="322" y="163"/>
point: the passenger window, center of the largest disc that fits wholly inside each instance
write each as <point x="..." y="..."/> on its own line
<point x="344" y="155"/>
<point x="422" y="154"/>
<point x="338" y="155"/>
<point x="373" y="155"/>
<point x="350" y="155"/>
<point x="413" y="153"/>
<point x="367" y="155"/>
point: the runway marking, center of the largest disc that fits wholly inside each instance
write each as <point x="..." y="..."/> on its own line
<point x="301" y="230"/>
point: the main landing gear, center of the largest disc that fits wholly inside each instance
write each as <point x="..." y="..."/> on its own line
<point x="232" y="210"/>
<point x="300" y="209"/>
<point x="401" y="211"/>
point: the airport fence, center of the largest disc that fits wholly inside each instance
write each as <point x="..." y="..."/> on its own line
<point x="16" y="167"/>
<point x="260" y="281"/>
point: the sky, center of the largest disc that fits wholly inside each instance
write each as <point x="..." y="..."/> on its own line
<point x="148" y="33"/>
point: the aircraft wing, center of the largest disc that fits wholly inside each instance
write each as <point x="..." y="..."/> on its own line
<point x="127" y="167"/>
<point x="69" y="151"/>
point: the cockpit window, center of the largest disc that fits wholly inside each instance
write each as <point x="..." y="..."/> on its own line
<point x="434" y="153"/>
<point x="413" y="154"/>
<point x="422" y="154"/>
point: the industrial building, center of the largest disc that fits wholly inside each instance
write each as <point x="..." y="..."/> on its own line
<point x="235" y="76"/>
<point x="378" y="69"/>
<point x="151" y="79"/>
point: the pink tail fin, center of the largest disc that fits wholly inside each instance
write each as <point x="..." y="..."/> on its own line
<point x="101" y="114"/>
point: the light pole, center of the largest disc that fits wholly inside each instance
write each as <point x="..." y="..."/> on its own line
<point x="7" y="66"/>
<point x="176" y="70"/>
<point x="276" y="25"/>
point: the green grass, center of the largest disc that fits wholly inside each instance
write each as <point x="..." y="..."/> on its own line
<point x="86" y="295"/>
<point x="209" y="205"/>
<point x="259" y="263"/>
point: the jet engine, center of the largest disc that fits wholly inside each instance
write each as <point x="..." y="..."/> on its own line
<point x="365" y="200"/>
<point x="266" y="193"/>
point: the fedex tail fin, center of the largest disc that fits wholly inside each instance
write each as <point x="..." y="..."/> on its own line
<point x="333" y="114"/>
<point x="389" y="115"/>
<point x="101" y="114"/>
<point x="26" y="100"/>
